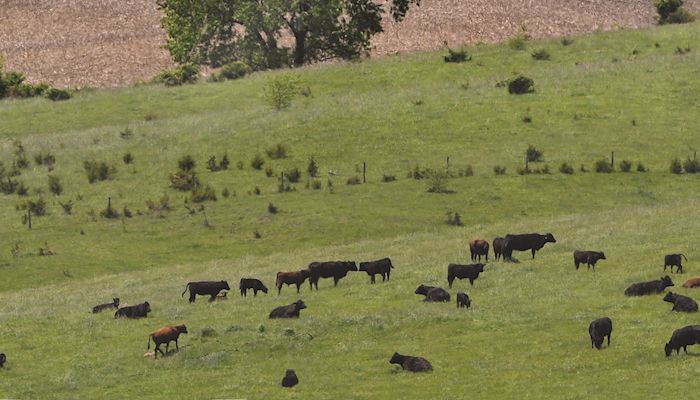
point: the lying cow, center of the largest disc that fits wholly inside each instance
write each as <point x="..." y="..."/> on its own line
<point x="463" y="300"/>
<point x="205" y="288"/>
<point x="411" y="363"/>
<point x="250" y="283"/>
<point x="102" y="307"/>
<point x="588" y="257"/>
<point x="373" y="268"/>
<point x="692" y="283"/>
<point x="651" y="287"/>
<point x="166" y="335"/>
<point x="329" y="269"/>
<point x="290" y="311"/>
<point x="681" y="303"/>
<point x="291" y="278"/>
<point x="290" y="378"/>
<point x="598" y="330"/>
<point x="526" y="241"/>
<point x="498" y="244"/>
<point x="460" y="271"/>
<point x="683" y="337"/>
<point x="137" y="311"/>
<point x="3" y="359"/>
<point x="432" y="293"/>
<point x="674" y="260"/>
<point x="478" y="248"/>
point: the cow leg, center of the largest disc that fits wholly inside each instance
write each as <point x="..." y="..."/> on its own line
<point x="533" y="253"/>
<point x="609" y="335"/>
<point x="279" y="290"/>
<point x="298" y="285"/>
<point x="192" y="297"/>
<point x="255" y="292"/>
<point x="487" y="255"/>
<point x="388" y="274"/>
<point x="167" y="347"/>
<point x="242" y="292"/>
<point x="450" y="281"/>
<point x="176" y="345"/>
<point x="371" y="278"/>
<point x="471" y="281"/>
<point x="335" y="281"/>
<point x="212" y="298"/>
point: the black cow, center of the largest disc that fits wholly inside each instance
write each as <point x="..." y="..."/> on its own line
<point x="598" y="330"/>
<point x="683" y="337"/>
<point x="250" y="283"/>
<point x="372" y="268"/>
<point x="102" y="307"/>
<point x="459" y="271"/>
<point x="290" y="378"/>
<point x="674" y="260"/>
<point x="205" y="288"/>
<point x="651" y="287"/>
<point x="498" y="244"/>
<point x="290" y="311"/>
<point x="3" y="359"/>
<point x="432" y="293"/>
<point x="681" y="303"/>
<point x="329" y="269"/>
<point x="478" y="248"/>
<point x="291" y="278"/>
<point x="137" y="311"/>
<point x="463" y="300"/>
<point x="411" y="363"/>
<point x="588" y="257"/>
<point x="526" y="241"/>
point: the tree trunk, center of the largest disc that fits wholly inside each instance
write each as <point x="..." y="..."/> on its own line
<point x="299" y="48"/>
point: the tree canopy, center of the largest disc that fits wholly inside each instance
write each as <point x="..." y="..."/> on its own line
<point x="273" y="33"/>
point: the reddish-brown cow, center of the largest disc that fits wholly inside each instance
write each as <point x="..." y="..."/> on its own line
<point x="479" y="248"/>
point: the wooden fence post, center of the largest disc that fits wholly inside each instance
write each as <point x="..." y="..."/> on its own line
<point x="612" y="159"/>
<point x="29" y="218"/>
<point x="364" y="172"/>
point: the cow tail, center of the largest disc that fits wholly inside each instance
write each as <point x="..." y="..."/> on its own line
<point x="186" y="287"/>
<point x="149" y="342"/>
<point x="277" y="281"/>
<point x="684" y="257"/>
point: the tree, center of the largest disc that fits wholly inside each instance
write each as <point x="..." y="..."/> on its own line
<point x="216" y="32"/>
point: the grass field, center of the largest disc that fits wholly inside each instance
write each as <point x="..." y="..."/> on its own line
<point x="526" y="334"/>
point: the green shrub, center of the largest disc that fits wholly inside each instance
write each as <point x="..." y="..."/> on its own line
<point x="226" y="193"/>
<point x="37" y="207"/>
<point x="532" y="154"/>
<point x="67" y="207"/>
<point x="55" y="186"/>
<point x="57" y="94"/>
<point x="203" y="193"/>
<point x="565" y="168"/>
<point x="98" y="171"/>
<point x="316" y="184"/>
<point x="186" y="163"/>
<point x="519" y="41"/>
<point x="457" y="56"/>
<point x="419" y="173"/>
<point x="454" y="219"/>
<point x="22" y="190"/>
<point x="541" y="55"/>
<point x="257" y="162"/>
<point x="388" y="178"/>
<point x="281" y="90"/>
<point x="184" y="180"/>
<point x="691" y="166"/>
<point x="269" y="172"/>
<point x="641" y="168"/>
<point x="437" y="182"/>
<point x="312" y="169"/>
<point x="672" y="12"/>
<point x="293" y="175"/>
<point x="109" y="212"/>
<point x="185" y="73"/>
<point x="566" y="41"/>
<point x="128" y="158"/>
<point x="272" y="209"/>
<point x="499" y="170"/>
<point x="21" y="160"/>
<point x="603" y="166"/>
<point x="234" y="70"/>
<point x="626" y="166"/>
<point x="676" y="166"/>
<point x="277" y="151"/>
<point x="521" y="85"/>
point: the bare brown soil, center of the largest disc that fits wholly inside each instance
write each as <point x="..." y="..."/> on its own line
<point x="118" y="42"/>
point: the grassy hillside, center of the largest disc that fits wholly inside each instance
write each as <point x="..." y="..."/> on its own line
<point x="527" y="332"/>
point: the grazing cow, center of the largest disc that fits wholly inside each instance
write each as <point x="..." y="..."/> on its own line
<point x="459" y="271"/>
<point x="478" y="248"/>
<point x="329" y="269"/>
<point x="526" y="241"/>
<point x="372" y="268"/>
<point x="254" y="284"/>
<point x="432" y="293"/>
<point x="651" y="287"/>
<point x="102" y="307"/>
<point x="3" y="359"/>
<point x="498" y="244"/>
<point x="411" y="363"/>
<point x="674" y="260"/>
<point x="598" y="330"/>
<point x="290" y="311"/>
<point x="692" y="283"/>
<point x="681" y="303"/>
<point x="588" y="257"/>
<point x="291" y="278"/>
<point x="166" y="335"/>
<point x="683" y="337"/>
<point x="205" y="288"/>
<point x="137" y="311"/>
<point x="463" y="300"/>
<point x="290" y="378"/>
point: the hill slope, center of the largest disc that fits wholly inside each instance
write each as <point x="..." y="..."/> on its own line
<point x="114" y="43"/>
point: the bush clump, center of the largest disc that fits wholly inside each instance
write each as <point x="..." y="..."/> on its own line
<point x="12" y="85"/>
<point x="567" y="169"/>
<point x="293" y="175"/>
<point x="272" y="209"/>
<point x="499" y="170"/>
<point x="541" y="55"/>
<point x="257" y="162"/>
<point x="521" y="85"/>
<point x="354" y="180"/>
<point x="519" y="41"/>
<point x="532" y="154"/>
<point x="281" y="90"/>
<point x="203" y="193"/>
<point x="233" y="70"/>
<point x="603" y="166"/>
<point x="98" y="171"/>
<point x="388" y="178"/>
<point x="213" y="166"/>
<point x="316" y="184"/>
<point x="55" y="186"/>
<point x="128" y="158"/>
<point x="672" y="12"/>
<point x="312" y="168"/>
<point x="185" y="73"/>
<point x="437" y="182"/>
<point x="36" y="207"/>
<point x="691" y="166"/>
<point x="185" y="178"/>
<point x="457" y="56"/>
<point x="676" y="166"/>
<point x="641" y="168"/>
<point x="277" y="151"/>
<point x="454" y="219"/>
<point x="626" y="166"/>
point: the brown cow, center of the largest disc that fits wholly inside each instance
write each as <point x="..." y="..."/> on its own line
<point x="166" y="335"/>
<point x="479" y="248"/>
<point x="291" y="278"/>
<point x="692" y="283"/>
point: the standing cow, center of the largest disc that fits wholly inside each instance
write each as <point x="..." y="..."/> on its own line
<point x="291" y="278"/>
<point x="683" y="337"/>
<point x="524" y="242"/>
<point x="205" y="288"/>
<point x="478" y="248"/>
<point x="373" y="268"/>
<point x="598" y="330"/>
<point x="674" y="260"/>
<point x="329" y="269"/>
<point x="498" y="244"/>
<point x="459" y="271"/>
<point x="588" y="257"/>
<point x="250" y="283"/>
<point x="166" y="335"/>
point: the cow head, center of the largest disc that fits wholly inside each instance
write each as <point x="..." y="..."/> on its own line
<point x="396" y="359"/>
<point x="670" y="297"/>
<point x="363" y="266"/>
<point x="479" y="267"/>
<point x="305" y="273"/>
<point x="597" y="340"/>
<point x="148" y="306"/>
<point x="263" y="288"/>
<point x="668" y="349"/>
<point x="423" y="289"/>
<point x="601" y="255"/>
<point x="225" y="285"/>
<point x="666" y="281"/>
<point x="181" y="329"/>
<point x="549" y="238"/>
<point x="299" y="305"/>
<point x="350" y="265"/>
<point x="116" y="301"/>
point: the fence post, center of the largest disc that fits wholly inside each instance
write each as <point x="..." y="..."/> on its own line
<point x="29" y="218"/>
<point x="447" y="164"/>
<point x="364" y="172"/>
<point x="612" y="159"/>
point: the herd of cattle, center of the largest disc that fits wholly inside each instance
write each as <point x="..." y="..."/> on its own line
<point x="503" y="247"/>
